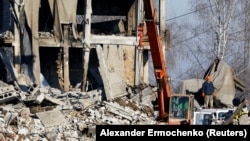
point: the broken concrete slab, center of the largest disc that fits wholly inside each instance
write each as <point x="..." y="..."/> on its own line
<point x="146" y="96"/>
<point x="52" y="118"/>
<point x="114" y="85"/>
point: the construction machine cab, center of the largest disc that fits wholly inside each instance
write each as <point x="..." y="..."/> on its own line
<point x="180" y="109"/>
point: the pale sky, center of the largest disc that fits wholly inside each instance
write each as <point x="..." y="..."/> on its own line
<point x="175" y="8"/>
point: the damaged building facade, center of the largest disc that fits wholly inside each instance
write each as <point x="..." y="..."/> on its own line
<point x="65" y="66"/>
<point x="79" y="44"/>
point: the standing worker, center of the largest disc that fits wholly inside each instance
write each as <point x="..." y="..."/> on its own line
<point x="208" y="92"/>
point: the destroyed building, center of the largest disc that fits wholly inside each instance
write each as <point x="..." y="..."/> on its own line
<point x="66" y="64"/>
<point x="78" y="44"/>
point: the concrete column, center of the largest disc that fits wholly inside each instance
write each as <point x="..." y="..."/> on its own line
<point x="138" y="54"/>
<point x="162" y="16"/>
<point x="35" y="42"/>
<point x="131" y="19"/>
<point x="86" y="52"/>
<point x="162" y="21"/>
<point x="86" y="41"/>
<point x="17" y="44"/>
<point x="66" y="57"/>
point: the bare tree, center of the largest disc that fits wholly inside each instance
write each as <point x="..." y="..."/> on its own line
<point x="217" y="14"/>
<point x="229" y="35"/>
<point x="217" y="29"/>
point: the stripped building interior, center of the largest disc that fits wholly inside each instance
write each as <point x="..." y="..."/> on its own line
<point x="85" y="44"/>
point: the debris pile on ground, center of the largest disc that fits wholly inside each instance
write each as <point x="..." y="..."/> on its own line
<point x="49" y="114"/>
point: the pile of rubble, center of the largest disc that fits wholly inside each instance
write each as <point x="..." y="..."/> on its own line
<point x="47" y="114"/>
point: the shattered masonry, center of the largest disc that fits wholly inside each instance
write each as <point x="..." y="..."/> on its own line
<point x="52" y="115"/>
<point x="66" y="66"/>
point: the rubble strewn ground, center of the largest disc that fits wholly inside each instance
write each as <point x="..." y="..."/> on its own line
<point x="47" y="114"/>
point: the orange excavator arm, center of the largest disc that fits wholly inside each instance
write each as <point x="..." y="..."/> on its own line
<point x="159" y="63"/>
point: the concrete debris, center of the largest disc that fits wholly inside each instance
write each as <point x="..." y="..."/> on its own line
<point x="39" y="113"/>
<point x="7" y="35"/>
<point x="7" y="93"/>
<point x="45" y="35"/>
<point x="51" y="118"/>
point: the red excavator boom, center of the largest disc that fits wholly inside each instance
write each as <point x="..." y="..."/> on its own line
<point x="158" y="58"/>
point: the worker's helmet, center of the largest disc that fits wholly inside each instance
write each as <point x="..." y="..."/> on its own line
<point x="208" y="77"/>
